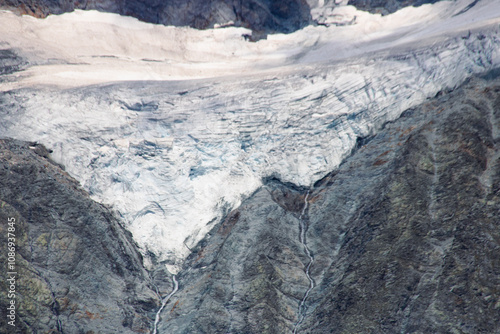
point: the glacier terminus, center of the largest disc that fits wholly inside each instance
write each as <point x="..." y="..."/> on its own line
<point x="174" y="127"/>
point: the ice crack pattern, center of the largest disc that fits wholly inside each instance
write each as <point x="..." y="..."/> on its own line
<point x="173" y="156"/>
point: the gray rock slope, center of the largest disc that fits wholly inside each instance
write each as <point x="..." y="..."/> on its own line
<point x="78" y="270"/>
<point x="404" y="237"/>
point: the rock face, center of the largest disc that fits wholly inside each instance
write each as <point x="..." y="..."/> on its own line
<point x="404" y="237"/>
<point x="417" y="252"/>
<point x="10" y="62"/>
<point x="261" y="16"/>
<point x="387" y="6"/>
<point x="77" y="269"/>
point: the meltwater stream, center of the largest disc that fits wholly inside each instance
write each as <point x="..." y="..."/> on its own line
<point x="164" y="302"/>
<point x="302" y="238"/>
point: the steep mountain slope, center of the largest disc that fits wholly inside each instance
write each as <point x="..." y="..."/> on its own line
<point x="76" y="269"/>
<point x="297" y="184"/>
<point x="417" y="253"/>
<point x="174" y="156"/>
<point x="404" y="237"/>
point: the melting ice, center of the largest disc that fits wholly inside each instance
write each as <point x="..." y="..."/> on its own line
<point x="173" y="127"/>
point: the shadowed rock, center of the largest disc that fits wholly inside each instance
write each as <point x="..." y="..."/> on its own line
<point x="266" y="16"/>
<point x="385" y="7"/>
<point x="78" y="270"/>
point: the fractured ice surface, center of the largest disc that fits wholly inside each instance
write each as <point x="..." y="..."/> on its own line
<point x="172" y="156"/>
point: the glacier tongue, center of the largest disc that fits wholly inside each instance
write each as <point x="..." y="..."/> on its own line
<point x="173" y="156"/>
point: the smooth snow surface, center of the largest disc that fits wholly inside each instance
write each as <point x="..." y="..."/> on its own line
<point x="173" y="127"/>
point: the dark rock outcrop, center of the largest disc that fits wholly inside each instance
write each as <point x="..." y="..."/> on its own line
<point x="262" y="16"/>
<point x="78" y="270"/>
<point x="10" y="62"/>
<point x="405" y="237"/>
<point x="385" y="7"/>
<point x="421" y="229"/>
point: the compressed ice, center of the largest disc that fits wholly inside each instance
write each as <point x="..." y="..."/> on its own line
<point x="174" y="127"/>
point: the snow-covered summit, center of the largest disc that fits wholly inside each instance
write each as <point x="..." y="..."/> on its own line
<point x="173" y="127"/>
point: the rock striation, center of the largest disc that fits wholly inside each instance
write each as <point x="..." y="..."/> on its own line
<point x="404" y="236"/>
<point x="78" y="270"/>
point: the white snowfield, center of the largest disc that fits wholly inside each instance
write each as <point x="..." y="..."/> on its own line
<point x="173" y="127"/>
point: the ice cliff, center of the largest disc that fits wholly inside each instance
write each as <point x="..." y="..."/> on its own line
<point x="174" y="127"/>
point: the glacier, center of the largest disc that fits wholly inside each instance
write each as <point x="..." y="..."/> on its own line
<point x="174" y="127"/>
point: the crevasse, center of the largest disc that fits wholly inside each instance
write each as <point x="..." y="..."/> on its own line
<point x="173" y="156"/>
